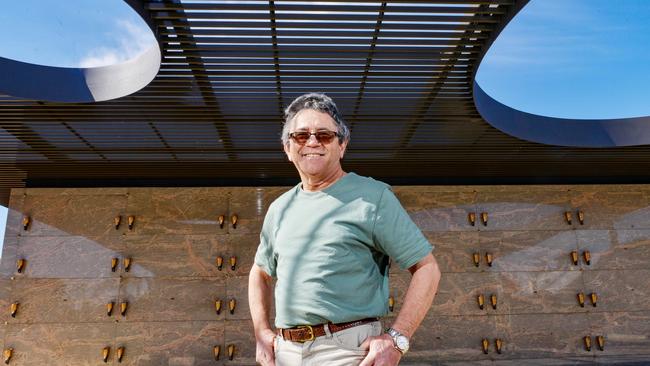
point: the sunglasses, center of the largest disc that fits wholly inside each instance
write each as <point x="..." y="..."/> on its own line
<point x="324" y="137"/>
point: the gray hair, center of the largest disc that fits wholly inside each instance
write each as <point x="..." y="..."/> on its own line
<point x="318" y="102"/>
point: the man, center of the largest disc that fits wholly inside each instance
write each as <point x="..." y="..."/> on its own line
<point x="327" y="241"/>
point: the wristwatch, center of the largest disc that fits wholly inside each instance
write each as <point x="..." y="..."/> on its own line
<point x="400" y="341"/>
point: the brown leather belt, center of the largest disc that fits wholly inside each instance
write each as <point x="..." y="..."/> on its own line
<point x="304" y="333"/>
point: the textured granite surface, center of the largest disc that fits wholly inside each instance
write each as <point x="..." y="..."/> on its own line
<point x="173" y="281"/>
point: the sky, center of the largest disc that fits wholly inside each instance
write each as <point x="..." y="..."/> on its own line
<point x="558" y="58"/>
<point x="573" y="59"/>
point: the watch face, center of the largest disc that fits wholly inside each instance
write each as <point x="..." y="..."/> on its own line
<point x="402" y="343"/>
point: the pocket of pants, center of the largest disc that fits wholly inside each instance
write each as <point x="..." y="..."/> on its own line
<point x="353" y="338"/>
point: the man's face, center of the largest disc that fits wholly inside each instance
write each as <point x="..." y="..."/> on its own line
<point x="314" y="158"/>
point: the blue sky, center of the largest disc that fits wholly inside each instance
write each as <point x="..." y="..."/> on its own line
<point x="573" y="59"/>
<point x="560" y="58"/>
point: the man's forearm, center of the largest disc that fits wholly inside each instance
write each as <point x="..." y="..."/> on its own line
<point x="419" y="296"/>
<point x="260" y="289"/>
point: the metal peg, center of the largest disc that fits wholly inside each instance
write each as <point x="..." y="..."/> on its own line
<point x="14" y="309"/>
<point x="127" y="264"/>
<point x="477" y="259"/>
<point x="114" y="262"/>
<point x="391" y="304"/>
<point x="222" y="219"/>
<point x="231" y="351"/>
<point x="231" y="305"/>
<point x="26" y="221"/>
<point x="233" y="220"/>
<point x="471" y="217"/>
<point x="499" y="345"/>
<point x="109" y="308"/>
<point x="485" y="344"/>
<point x="600" y="340"/>
<point x="219" y="263"/>
<point x="493" y="301"/>
<point x="216" y="351"/>
<point x="484" y="218"/>
<point x="123" y="306"/>
<point x="594" y="298"/>
<point x="481" y="301"/>
<point x="120" y="353"/>
<point x="574" y="257"/>
<point x="20" y="265"/>
<point x="6" y="354"/>
<point x="217" y="306"/>
<point x="233" y="262"/>
<point x="587" y="340"/>
<point x="488" y="259"/>
<point x="105" y="353"/>
<point x="568" y="217"/>
<point x="131" y="221"/>
<point x="581" y="217"/>
<point x="116" y="221"/>
<point x="586" y="255"/>
<point x="581" y="299"/>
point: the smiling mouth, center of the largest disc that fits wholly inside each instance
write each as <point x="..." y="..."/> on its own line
<point x="312" y="155"/>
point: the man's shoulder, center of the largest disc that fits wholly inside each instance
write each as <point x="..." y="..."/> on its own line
<point x="282" y="199"/>
<point x="368" y="184"/>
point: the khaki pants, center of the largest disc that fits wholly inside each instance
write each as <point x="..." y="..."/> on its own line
<point x="337" y="349"/>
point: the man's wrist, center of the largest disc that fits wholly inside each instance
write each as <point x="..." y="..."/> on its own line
<point x="400" y="341"/>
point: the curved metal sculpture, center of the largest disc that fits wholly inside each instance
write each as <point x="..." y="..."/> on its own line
<point x="69" y="84"/>
<point x="558" y="131"/>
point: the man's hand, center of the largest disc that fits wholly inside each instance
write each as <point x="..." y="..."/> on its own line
<point x="381" y="351"/>
<point x="264" y="353"/>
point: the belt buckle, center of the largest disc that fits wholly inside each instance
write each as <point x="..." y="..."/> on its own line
<point x="311" y="333"/>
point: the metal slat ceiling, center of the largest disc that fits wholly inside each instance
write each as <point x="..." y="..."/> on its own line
<point x="401" y="72"/>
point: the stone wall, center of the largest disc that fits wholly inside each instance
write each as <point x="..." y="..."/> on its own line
<point x="173" y="282"/>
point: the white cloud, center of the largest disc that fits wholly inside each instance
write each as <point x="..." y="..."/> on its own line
<point x="131" y="39"/>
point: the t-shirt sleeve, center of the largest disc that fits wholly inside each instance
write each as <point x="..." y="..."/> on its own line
<point x="265" y="257"/>
<point x="396" y="234"/>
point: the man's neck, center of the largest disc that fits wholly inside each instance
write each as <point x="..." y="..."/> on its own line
<point x="312" y="183"/>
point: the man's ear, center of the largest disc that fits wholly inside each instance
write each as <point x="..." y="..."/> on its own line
<point x="286" y="151"/>
<point x="343" y="147"/>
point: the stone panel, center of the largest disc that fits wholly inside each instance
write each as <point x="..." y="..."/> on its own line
<point x="237" y="289"/>
<point x="69" y="257"/>
<point x="60" y="344"/>
<point x="9" y="257"/>
<point x="543" y="335"/>
<point x="528" y="250"/>
<point x="532" y="208"/>
<point x="615" y="249"/>
<point x="539" y="292"/>
<point x="180" y="211"/>
<point x="453" y="338"/>
<point x="454" y="250"/>
<point x="619" y="290"/>
<point x="609" y="209"/>
<point x="625" y="333"/>
<point x="439" y="211"/>
<point x="457" y="293"/>
<point x="64" y="300"/>
<point x="243" y="247"/>
<point x="15" y="214"/>
<point x="240" y="334"/>
<point x="179" y="299"/>
<point x="74" y="214"/>
<point x="167" y="256"/>
<point x="6" y="299"/>
<point x="170" y="343"/>
<point x="250" y="206"/>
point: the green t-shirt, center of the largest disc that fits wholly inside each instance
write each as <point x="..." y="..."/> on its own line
<point x="329" y="250"/>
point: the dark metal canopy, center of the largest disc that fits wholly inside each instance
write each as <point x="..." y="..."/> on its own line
<point x="401" y="72"/>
